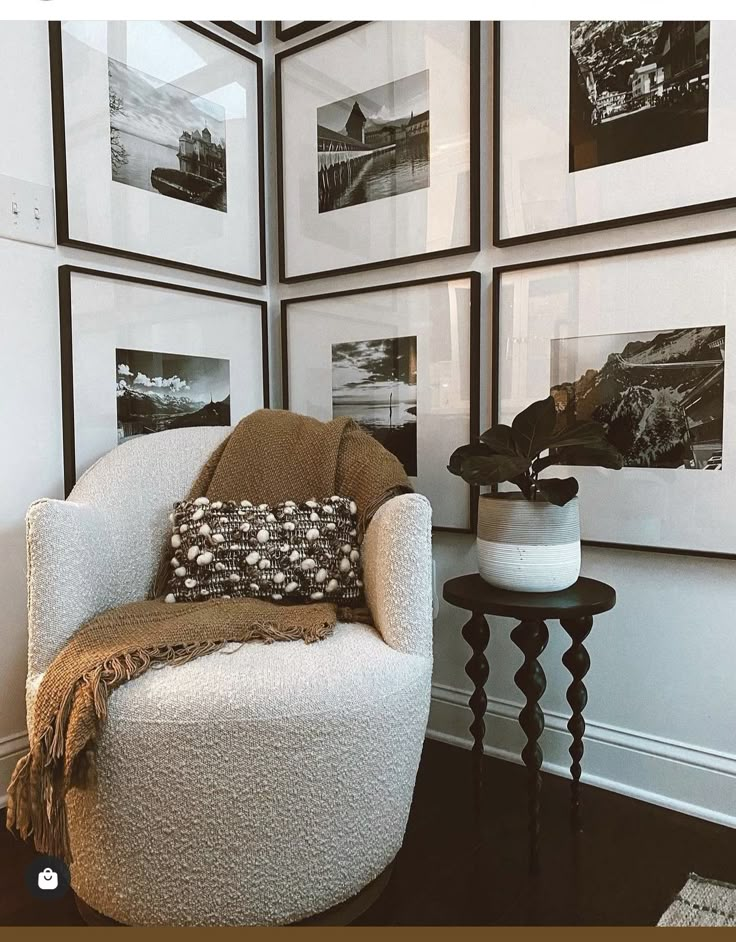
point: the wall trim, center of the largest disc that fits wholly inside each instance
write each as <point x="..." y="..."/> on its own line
<point x="682" y="777"/>
<point x="11" y="749"/>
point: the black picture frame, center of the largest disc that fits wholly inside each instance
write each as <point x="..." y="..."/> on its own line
<point x="235" y="29"/>
<point x="501" y="270"/>
<point x="60" y="164"/>
<point x="66" y="346"/>
<point x="285" y="33"/>
<point x="567" y="231"/>
<point x="474" y="365"/>
<point x="474" y="243"/>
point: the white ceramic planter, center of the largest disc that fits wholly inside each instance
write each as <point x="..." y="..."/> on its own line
<point x="528" y="546"/>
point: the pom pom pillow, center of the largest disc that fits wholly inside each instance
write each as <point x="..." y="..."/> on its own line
<point x="289" y="552"/>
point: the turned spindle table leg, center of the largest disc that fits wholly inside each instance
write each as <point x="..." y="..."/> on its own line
<point x="577" y="661"/>
<point x="477" y="633"/>
<point x="531" y="638"/>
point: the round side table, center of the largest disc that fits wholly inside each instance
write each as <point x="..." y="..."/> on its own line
<point x="574" y="608"/>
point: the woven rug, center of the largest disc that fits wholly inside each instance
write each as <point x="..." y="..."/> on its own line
<point x="702" y="902"/>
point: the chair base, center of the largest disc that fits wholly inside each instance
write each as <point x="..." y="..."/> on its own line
<point x="341" y="915"/>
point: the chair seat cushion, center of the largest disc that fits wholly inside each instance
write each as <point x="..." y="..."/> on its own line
<point x="257" y="681"/>
<point x="254" y="787"/>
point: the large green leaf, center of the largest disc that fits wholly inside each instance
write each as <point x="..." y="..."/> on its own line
<point x="580" y="432"/>
<point x="557" y="490"/>
<point x="534" y="427"/>
<point x="500" y="439"/>
<point x="602" y="455"/>
<point x="492" y="469"/>
<point x="466" y="451"/>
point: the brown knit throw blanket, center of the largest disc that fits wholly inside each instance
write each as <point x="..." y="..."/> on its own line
<point x="269" y="457"/>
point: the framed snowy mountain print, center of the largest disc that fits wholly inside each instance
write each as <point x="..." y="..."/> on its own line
<point x="140" y="357"/>
<point x="642" y="341"/>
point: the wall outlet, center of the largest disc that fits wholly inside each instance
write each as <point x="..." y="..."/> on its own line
<point x="26" y="211"/>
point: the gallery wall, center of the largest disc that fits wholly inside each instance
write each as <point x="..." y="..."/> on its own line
<point x="660" y="683"/>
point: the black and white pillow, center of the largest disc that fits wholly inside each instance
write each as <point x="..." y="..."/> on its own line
<point x="290" y="552"/>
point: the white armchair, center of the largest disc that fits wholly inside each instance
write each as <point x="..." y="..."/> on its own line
<point x="259" y="785"/>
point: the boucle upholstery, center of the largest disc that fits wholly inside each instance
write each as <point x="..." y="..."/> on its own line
<point x="257" y="785"/>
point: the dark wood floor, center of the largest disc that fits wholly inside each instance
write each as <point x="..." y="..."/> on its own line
<point x="624" y="869"/>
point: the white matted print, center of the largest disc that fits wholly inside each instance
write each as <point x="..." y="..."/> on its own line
<point x="162" y="144"/>
<point x="402" y="360"/>
<point x="378" y="125"/>
<point x="640" y="342"/>
<point x="605" y="121"/>
<point x="141" y="357"/>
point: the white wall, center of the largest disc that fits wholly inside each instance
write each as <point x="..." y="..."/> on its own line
<point x="661" y="685"/>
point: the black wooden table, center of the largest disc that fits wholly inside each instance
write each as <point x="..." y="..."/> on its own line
<point x="574" y="608"/>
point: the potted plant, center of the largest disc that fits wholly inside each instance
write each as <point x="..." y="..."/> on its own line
<point x="529" y="541"/>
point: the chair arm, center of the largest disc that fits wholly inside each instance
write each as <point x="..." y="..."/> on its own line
<point x="397" y="573"/>
<point x="73" y="574"/>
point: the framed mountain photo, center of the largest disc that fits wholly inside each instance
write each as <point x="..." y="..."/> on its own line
<point x="403" y="361"/>
<point x="639" y="340"/>
<point x="378" y="136"/>
<point x="140" y="357"/>
<point x="158" y="145"/>
<point x="605" y="123"/>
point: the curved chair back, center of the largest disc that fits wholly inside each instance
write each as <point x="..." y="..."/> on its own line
<point x="134" y="486"/>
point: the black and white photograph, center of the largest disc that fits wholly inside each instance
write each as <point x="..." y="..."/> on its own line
<point x="374" y="145"/>
<point x="158" y="391"/>
<point x="403" y="361"/>
<point x="158" y="136"/>
<point x="375" y="383"/>
<point x="636" y="88"/>
<point x="378" y="125"/>
<point x="659" y="394"/>
<point x="166" y="140"/>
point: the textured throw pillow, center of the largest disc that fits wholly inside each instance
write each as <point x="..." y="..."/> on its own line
<point x="289" y="552"/>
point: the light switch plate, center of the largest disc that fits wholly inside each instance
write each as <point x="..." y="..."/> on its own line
<point x="26" y="211"/>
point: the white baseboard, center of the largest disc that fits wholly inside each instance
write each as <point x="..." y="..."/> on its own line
<point x="11" y="749"/>
<point x="675" y="775"/>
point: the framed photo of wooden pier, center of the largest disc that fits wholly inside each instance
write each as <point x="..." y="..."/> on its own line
<point x="378" y="136"/>
<point x="158" y="145"/>
<point x="402" y="360"/>
<point x="641" y="340"/>
<point x="604" y="123"/>
<point x="140" y="356"/>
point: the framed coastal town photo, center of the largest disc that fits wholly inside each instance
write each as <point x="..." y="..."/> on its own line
<point x="377" y="146"/>
<point x="249" y="30"/>
<point x="603" y="123"/>
<point x="290" y="29"/>
<point x="403" y="361"/>
<point x="158" y="145"/>
<point x="141" y="356"/>
<point x="642" y="341"/>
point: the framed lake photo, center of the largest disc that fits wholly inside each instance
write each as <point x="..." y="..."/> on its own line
<point x="403" y="361"/>
<point x="604" y="123"/>
<point x="378" y="147"/>
<point x="158" y="145"/>
<point x="639" y="340"/>
<point x="140" y="357"/>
